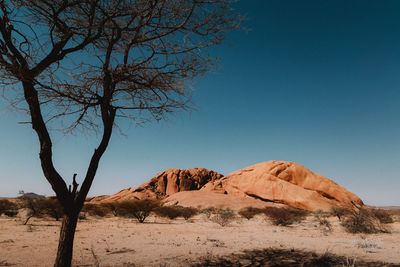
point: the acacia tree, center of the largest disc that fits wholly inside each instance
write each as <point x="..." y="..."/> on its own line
<point x="91" y="62"/>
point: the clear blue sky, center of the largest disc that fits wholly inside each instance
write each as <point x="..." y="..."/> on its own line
<point x="313" y="82"/>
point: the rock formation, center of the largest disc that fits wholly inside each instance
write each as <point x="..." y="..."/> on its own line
<point x="205" y="199"/>
<point x="263" y="184"/>
<point x="287" y="183"/>
<point x="166" y="183"/>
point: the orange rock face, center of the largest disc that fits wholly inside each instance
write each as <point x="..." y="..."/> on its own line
<point x="167" y="183"/>
<point x="205" y="199"/>
<point x="268" y="182"/>
<point x="287" y="183"/>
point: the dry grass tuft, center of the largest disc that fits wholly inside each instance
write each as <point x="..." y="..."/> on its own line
<point x="363" y="221"/>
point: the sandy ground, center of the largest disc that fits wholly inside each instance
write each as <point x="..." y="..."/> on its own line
<point x="159" y="242"/>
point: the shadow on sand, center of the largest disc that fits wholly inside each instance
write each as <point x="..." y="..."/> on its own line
<point x="282" y="258"/>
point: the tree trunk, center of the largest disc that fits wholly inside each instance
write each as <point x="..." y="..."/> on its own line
<point x="66" y="241"/>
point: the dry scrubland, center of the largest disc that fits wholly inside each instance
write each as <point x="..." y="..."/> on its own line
<point x="213" y="237"/>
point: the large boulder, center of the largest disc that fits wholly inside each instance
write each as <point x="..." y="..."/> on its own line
<point x="165" y="184"/>
<point x="287" y="183"/>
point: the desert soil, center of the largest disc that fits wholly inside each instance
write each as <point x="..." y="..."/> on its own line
<point x="160" y="242"/>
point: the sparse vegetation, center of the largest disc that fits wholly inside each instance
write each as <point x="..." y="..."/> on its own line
<point x="209" y="211"/>
<point x="284" y="216"/>
<point x="39" y="207"/>
<point x="368" y="243"/>
<point x="362" y="221"/>
<point x="95" y="209"/>
<point x="52" y="208"/>
<point x="322" y="218"/>
<point x="139" y="209"/>
<point x="327" y="226"/>
<point x="340" y="212"/>
<point x="35" y="207"/>
<point x="113" y="207"/>
<point x="8" y="208"/>
<point x="170" y="212"/>
<point x="173" y="212"/>
<point x="188" y="212"/>
<point x="383" y="216"/>
<point x="223" y="216"/>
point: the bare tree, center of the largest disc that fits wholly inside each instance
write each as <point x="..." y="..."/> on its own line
<point x="91" y="62"/>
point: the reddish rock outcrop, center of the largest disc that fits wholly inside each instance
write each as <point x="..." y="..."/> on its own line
<point x="165" y="184"/>
<point x="268" y="182"/>
<point x="287" y="183"/>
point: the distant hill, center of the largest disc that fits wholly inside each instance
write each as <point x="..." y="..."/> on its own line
<point x="389" y="208"/>
<point x="31" y="195"/>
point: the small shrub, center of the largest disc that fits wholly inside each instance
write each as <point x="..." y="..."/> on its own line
<point x="250" y="212"/>
<point x="369" y="243"/>
<point x="36" y="207"/>
<point x="321" y="214"/>
<point x="52" y="207"/>
<point x="382" y="215"/>
<point x="139" y="209"/>
<point x="340" y="212"/>
<point x="209" y="211"/>
<point x="322" y="218"/>
<point x="362" y="221"/>
<point x="188" y="212"/>
<point x="173" y="212"/>
<point x="223" y="216"/>
<point x="95" y="210"/>
<point x="11" y="213"/>
<point x="170" y="212"/>
<point x="284" y="216"/>
<point x="7" y="207"/>
<point x="113" y="207"/>
<point x="325" y="224"/>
